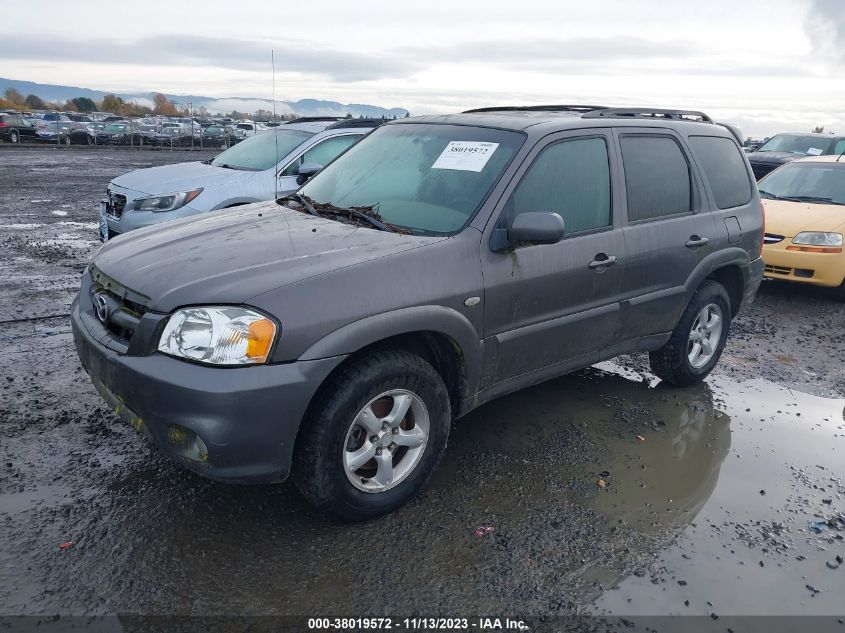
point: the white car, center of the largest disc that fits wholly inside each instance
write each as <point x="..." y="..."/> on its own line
<point x="259" y="168"/>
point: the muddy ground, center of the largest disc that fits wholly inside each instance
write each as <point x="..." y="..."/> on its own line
<point x="722" y="499"/>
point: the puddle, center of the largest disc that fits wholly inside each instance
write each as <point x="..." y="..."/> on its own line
<point x="747" y="493"/>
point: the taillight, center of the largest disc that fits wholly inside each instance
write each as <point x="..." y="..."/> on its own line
<point x="2" y="124"/>
<point x="763" y="233"/>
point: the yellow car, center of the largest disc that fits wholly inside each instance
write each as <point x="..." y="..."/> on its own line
<point x="805" y="222"/>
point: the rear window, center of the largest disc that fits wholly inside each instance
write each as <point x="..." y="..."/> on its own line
<point x="725" y="170"/>
<point x="657" y="177"/>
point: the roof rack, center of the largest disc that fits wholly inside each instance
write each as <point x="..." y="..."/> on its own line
<point x="347" y="123"/>
<point x="539" y="108"/>
<point x="314" y="119"/>
<point x="650" y="113"/>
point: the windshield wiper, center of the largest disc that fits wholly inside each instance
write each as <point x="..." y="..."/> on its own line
<point x="301" y="200"/>
<point x="351" y="212"/>
<point x="818" y="199"/>
<point x="769" y="196"/>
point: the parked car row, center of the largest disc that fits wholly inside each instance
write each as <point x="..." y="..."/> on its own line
<point x="397" y="277"/>
<point x="70" y="129"/>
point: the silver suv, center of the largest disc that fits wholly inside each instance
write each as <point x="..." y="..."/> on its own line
<point x="258" y="168"/>
<point x="438" y="264"/>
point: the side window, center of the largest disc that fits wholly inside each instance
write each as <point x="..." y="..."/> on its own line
<point x="657" y="177"/>
<point x="839" y="148"/>
<point x="570" y="178"/>
<point x="322" y="153"/>
<point x="725" y="170"/>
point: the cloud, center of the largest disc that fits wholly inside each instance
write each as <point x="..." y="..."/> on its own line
<point x="187" y="50"/>
<point x="826" y="27"/>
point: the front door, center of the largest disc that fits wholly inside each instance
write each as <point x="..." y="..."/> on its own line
<point x="549" y="304"/>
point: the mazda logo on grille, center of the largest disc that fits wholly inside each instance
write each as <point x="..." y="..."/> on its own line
<point x="101" y="306"/>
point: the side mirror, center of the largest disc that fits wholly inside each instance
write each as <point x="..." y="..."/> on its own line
<point x="306" y="171"/>
<point x="529" y="228"/>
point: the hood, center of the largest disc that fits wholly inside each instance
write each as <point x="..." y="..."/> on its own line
<point x="180" y="177"/>
<point x="232" y="255"/>
<point x="773" y="158"/>
<point x="790" y="218"/>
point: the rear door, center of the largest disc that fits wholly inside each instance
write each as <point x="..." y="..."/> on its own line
<point x="548" y="304"/>
<point x="666" y="236"/>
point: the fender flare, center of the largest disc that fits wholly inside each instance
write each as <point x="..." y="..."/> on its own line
<point x="430" y="318"/>
<point x="733" y="256"/>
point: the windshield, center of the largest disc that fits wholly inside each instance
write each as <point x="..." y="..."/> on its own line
<point x="797" y="144"/>
<point x="807" y="182"/>
<point x="215" y="129"/>
<point x="115" y="128"/>
<point x="262" y="151"/>
<point x="421" y="177"/>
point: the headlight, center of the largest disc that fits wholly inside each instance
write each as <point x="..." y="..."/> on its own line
<point x="813" y="238"/>
<point x="218" y="335"/>
<point x="166" y="203"/>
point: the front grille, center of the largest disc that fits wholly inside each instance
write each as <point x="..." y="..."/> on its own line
<point x="778" y="270"/>
<point x="772" y="238"/>
<point x="116" y="307"/>
<point x="116" y="204"/>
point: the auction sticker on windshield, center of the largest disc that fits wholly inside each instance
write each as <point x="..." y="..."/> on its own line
<point x="465" y="155"/>
<point x="814" y="151"/>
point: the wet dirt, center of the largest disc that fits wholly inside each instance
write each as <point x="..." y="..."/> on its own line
<point x="603" y="492"/>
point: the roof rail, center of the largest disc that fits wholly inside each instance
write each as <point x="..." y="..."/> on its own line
<point x="650" y="113"/>
<point x="314" y="119"/>
<point x="347" y="123"/>
<point x="539" y="108"/>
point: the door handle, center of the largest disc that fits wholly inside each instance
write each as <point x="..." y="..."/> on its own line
<point x="694" y="241"/>
<point x="601" y="264"/>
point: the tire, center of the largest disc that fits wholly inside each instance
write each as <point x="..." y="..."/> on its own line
<point x="676" y="362"/>
<point x="13" y="136"/>
<point x="90" y="139"/>
<point x="66" y="141"/>
<point x="331" y="435"/>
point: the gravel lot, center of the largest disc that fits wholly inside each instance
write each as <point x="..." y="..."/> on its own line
<point x="726" y="499"/>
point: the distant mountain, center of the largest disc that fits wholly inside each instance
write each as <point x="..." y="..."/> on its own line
<point x="303" y="107"/>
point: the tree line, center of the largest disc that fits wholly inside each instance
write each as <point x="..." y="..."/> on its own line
<point x="14" y="100"/>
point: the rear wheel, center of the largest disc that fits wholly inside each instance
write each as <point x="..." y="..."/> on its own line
<point x="13" y="136"/>
<point x="66" y="140"/>
<point x="696" y="343"/>
<point x="373" y="436"/>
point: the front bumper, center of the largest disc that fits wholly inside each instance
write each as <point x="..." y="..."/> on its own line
<point x="247" y="418"/>
<point x="818" y="269"/>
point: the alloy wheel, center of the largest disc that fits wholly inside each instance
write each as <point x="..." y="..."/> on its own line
<point x="705" y="335"/>
<point x="386" y="440"/>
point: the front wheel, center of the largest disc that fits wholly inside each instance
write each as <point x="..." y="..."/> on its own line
<point x="696" y="343"/>
<point x="373" y="436"/>
<point x="13" y="137"/>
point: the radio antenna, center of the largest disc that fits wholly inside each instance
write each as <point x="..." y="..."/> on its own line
<point x="274" y="128"/>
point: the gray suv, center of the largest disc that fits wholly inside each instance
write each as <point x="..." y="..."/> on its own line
<point x="443" y="261"/>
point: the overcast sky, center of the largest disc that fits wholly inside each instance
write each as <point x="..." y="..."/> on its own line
<point x="767" y="65"/>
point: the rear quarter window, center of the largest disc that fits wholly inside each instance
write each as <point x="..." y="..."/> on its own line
<point x="724" y="169"/>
